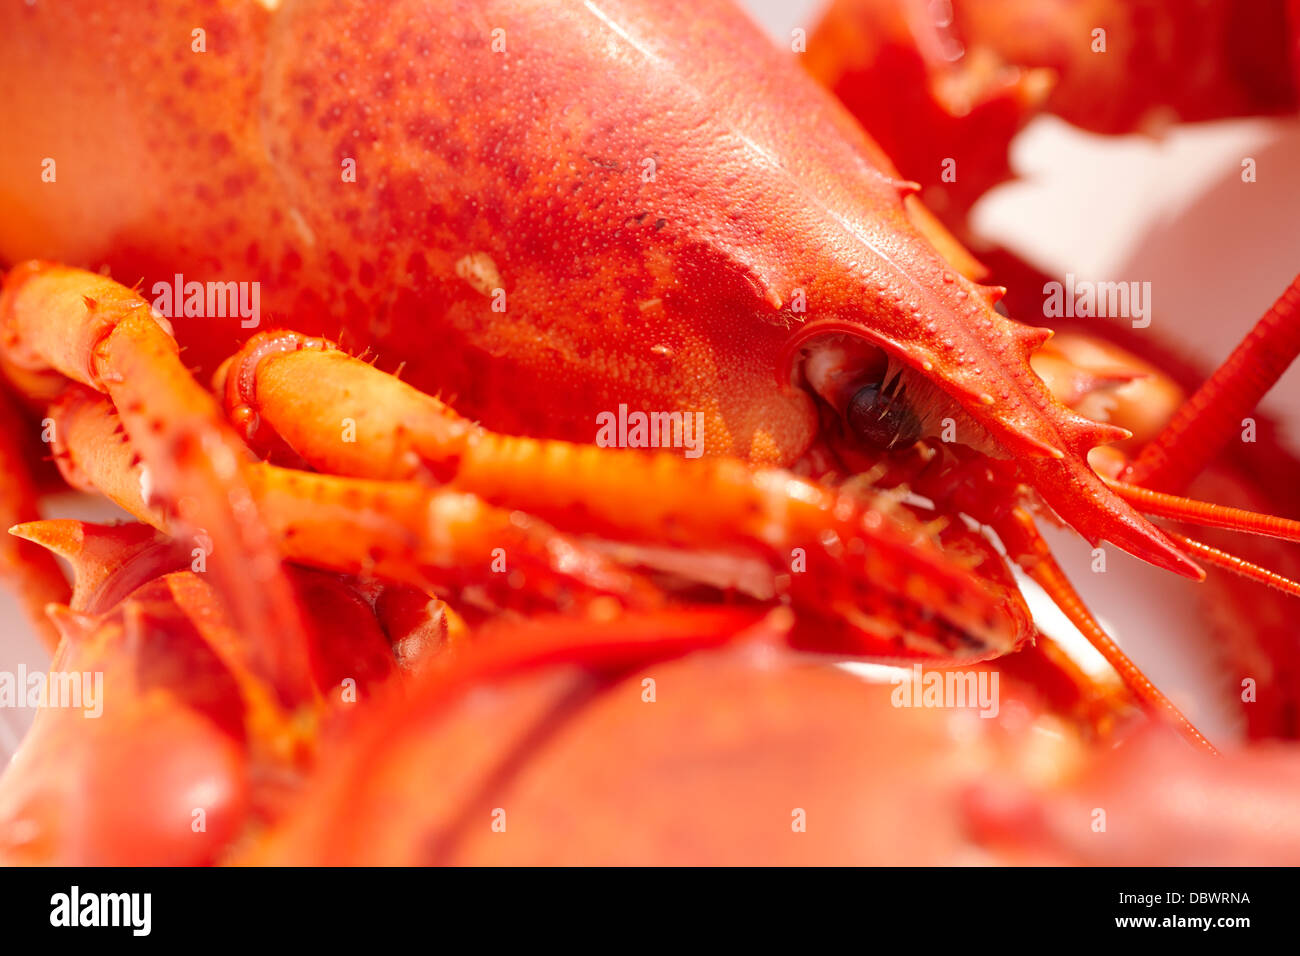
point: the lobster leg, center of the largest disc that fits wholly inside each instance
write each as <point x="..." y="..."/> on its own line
<point x="879" y="577"/>
<point x="403" y="531"/>
<point x="407" y="432"/>
<point x="98" y="333"/>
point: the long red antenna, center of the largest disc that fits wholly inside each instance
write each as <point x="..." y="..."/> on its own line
<point x="1207" y="420"/>
<point x="1239" y="566"/>
<point x="1204" y="513"/>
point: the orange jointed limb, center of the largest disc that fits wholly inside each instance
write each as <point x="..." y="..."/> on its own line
<point x="308" y="393"/>
<point x="405" y="531"/>
<point x="1027" y="547"/>
<point x="30" y="571"/>
<point x="1207" y="420"/>
<point x="102" y="335"/>
<point x="337" y="412"/>
<point x="869" y="561"/>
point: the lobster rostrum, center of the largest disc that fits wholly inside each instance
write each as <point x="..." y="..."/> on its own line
<point x="704" y="232"/>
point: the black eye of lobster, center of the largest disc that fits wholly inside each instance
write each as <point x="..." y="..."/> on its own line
<point x="879" y="415"/>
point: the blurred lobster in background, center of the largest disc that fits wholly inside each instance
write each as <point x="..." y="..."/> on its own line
<point x="965" y="77"/>
<point x="359" y="623"/>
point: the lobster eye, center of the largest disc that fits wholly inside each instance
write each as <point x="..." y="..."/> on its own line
<point x="879" y="416"/>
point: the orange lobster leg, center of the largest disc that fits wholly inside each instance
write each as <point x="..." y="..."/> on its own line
<point x="872" y="566"/>
<point x="402" y="531"/>
<point x="105" y="337"/>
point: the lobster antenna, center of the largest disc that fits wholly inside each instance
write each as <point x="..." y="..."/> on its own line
<point x="1239" y="566"/>
<point x="1204" y="513"/>
<point x="1026" y="545"/>
<point x="1207" y="420"/>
